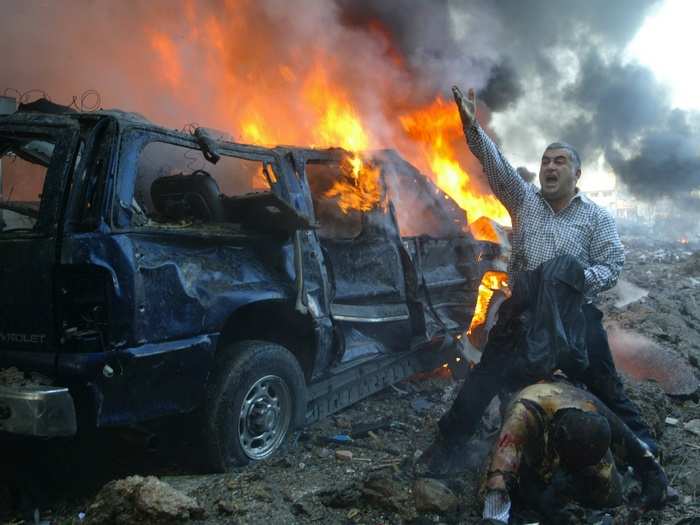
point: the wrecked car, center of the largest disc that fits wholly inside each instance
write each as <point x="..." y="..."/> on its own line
<point x="147" y="272"/>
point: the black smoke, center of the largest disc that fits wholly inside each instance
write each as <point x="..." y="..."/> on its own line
<point x="556" y="71"/>
<point x="627" y="114"/>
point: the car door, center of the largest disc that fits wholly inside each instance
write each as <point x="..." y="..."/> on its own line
<point x="435" y="234"/>
<point x="362" y="254"/>
<point x="36" y="162"/>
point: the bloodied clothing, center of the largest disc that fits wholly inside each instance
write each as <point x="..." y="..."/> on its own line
<point x="583" y="229"/>
<point x="524" y="460"/>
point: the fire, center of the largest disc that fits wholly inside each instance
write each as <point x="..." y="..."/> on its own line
<point x="490" y="283"/>
<point x="307" y="93"/>
<point x="340" y="125"/>
<point x="359" y="189"/>
<point x="170" y="63"/>
<point x="435" y="127"/>
<point x="304" y="95"/>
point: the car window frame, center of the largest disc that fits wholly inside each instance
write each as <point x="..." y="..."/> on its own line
<point x="132" y="143"/>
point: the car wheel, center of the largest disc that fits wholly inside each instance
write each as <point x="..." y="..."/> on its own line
<point x="256" y="396"/>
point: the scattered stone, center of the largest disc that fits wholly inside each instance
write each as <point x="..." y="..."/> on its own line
<point x="341" y="498"/>
<point x="141" y="500"/>
<point x="343" y="455"/>
<point x="693" y="426"/>
<point x="260" y="493"/>
<point x="385" y="493"/>
<point x="343" y="422"/>
<point x="671" y="421"/>
<point x="433" y="496"/>
<point x="15" y="377"/>
<point x="228" y="507"/>
<point x="302" y="508"/>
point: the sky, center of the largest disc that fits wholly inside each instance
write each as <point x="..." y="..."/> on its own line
<point x="666" y="42"/>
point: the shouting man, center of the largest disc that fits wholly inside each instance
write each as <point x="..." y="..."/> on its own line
<point x="551" y="222"/>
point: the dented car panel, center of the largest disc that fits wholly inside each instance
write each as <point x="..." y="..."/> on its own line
<point x="158" y="260"/>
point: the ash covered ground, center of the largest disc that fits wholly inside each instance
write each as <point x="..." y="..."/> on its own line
<point x="653" y="317"/>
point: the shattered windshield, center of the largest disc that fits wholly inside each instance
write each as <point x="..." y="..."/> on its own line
<point x="23" y="167"/>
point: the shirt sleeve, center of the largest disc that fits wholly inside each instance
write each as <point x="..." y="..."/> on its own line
<point x="607" y="256"/>
<point x="505" y="182"/>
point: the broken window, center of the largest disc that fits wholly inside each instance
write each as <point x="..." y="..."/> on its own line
<point x="421" y="208"/>
<point x="334" y="222"/>
<point x="176" y="184"/>
<point x="23" y="167"/>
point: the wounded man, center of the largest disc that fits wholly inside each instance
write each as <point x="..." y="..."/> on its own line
<point x="559" y="444"/>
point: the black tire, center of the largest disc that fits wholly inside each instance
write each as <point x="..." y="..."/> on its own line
<point x="255" y="397"/>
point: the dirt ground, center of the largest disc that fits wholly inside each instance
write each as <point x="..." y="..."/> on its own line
<point x="654" y="322"/>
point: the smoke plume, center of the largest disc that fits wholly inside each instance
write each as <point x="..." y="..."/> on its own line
<point x="547" y="70"/>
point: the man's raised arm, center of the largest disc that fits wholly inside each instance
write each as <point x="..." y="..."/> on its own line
<point x="505" y="182"/>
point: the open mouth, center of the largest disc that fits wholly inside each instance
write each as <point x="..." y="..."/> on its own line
<point x="550" y="180"/>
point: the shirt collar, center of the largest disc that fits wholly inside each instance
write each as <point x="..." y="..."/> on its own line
<point x="578" y="195"/>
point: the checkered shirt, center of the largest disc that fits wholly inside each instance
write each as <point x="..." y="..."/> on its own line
<point x="583" y="229"/>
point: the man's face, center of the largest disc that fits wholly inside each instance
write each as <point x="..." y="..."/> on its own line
<point x="558" y="176"/>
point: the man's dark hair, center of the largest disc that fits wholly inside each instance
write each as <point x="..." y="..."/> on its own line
<point x="580" y="438"/>
<point x="573" y="154"/>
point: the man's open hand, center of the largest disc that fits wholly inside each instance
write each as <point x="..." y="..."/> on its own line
<point x="466" y="106"/>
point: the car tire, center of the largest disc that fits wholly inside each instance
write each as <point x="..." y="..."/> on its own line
<point x="255" y="397"/>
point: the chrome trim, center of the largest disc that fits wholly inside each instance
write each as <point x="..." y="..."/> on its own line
<point x="37" y="411"/>
<point x="355" y="319"/>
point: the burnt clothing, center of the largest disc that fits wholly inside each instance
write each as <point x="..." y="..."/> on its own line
<point x="524" y="453"/>
<point x="583" y="229"/>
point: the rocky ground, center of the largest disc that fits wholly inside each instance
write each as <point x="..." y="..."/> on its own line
<point x="654" y="322"/>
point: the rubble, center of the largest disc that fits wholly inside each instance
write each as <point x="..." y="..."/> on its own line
<point x="15" y="377"/>
<point x="693" y="426"/>
<point x="390" y="431"/>
<point x="141" y="500"/>
<point x="433" y="496"/>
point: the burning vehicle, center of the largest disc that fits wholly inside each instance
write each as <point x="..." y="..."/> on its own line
<point x="148" y="272"/>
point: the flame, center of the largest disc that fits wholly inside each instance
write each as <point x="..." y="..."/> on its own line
<point x="171" y="69"/>
<point x="490" y="283"/>
<point x="484" y="230"/>
<point x="359" y="189"/>
<point x="340" y="125"/>
<point x="435" y="127"/>
<point x="303" y="92"/>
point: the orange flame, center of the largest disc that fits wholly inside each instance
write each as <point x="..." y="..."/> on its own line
<point x="435" y="127"/>
<point x="340" y="125"/>
<point x="490" y="283"/>
<point x="359" y="189"/>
